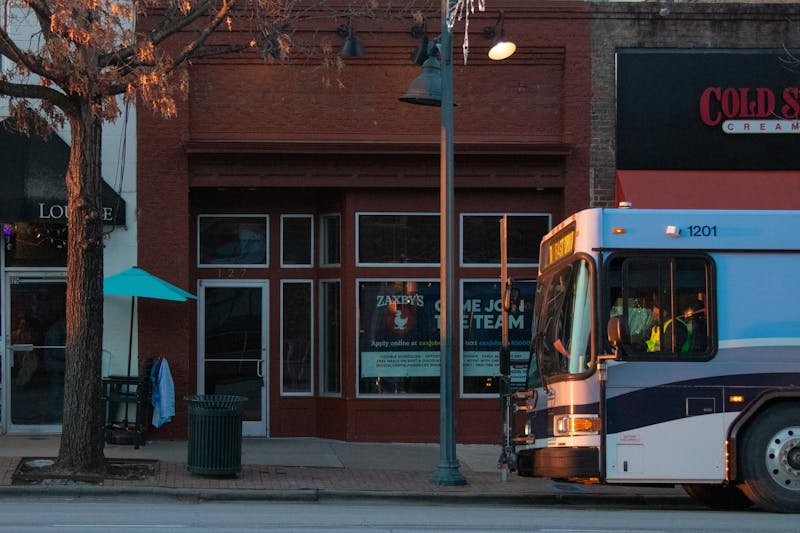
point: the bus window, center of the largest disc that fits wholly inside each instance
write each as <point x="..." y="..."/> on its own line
<point x="562" y="323"/>
<point x="663" y="301"/>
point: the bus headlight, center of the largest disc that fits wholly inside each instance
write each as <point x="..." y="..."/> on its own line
<point x="576" y="425"/>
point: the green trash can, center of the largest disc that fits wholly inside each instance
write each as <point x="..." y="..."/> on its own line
<point x="215" y="434"/>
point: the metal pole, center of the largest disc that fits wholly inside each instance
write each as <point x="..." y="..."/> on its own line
<point x="447" y="472"/>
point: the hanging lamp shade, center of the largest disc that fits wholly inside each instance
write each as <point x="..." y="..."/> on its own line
<point x="352" y="47"/>
<point x="502" y="48"/>
<point x="426" y="89"/>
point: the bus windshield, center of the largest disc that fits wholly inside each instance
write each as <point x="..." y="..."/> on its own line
<point x="561" y="324"/>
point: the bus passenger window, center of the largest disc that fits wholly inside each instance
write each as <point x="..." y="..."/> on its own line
<point x="663" y="301"/>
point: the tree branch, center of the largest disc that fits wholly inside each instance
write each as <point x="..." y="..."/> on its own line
<point x="39" y="92"/>
<point x="43" y="14"/>
<point x="9" y="49"/>
<point x="204" y="34"/>
<point x="168" y="26"/>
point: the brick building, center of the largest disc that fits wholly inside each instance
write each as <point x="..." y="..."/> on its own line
<point x="305" y="216"/>
<point x="301" y="205"/>
<point x="694" y="46"/>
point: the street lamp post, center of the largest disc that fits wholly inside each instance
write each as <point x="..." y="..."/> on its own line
<point x="436" y="89"/>
<point x="430" y="89"/>
<point x="447" y="471"/>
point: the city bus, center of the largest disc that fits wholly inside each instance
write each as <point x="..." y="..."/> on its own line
<point x="666" y="350"/>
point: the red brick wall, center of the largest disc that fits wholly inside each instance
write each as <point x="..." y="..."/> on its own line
<point x="522" y="141"/>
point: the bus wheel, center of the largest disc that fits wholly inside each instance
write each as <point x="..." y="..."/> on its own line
<point x="721" y="497"/>
<point x="770" y="459"/>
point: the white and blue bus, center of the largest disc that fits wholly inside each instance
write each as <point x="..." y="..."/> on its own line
<point x="666" y="350"/>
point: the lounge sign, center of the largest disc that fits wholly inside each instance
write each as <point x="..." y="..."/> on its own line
<point x="706" y="109"/>
<point x="32" y="181"/>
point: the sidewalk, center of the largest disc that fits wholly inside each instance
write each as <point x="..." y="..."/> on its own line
<point x="312" y="469"/>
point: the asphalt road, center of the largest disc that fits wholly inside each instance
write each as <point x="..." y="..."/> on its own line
<point x="44" y="514"/>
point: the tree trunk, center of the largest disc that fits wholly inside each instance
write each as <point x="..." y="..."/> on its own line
<point x="82" y="436"/>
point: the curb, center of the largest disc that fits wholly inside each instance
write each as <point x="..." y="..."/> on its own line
<point x="332" y="495"/>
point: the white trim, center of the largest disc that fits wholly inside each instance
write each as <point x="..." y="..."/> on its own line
<point x="311" y="347"/>
<point x="759" y="343"/>
<point x="255" y="429"/>
<point x="497" y="265"/>
<point x="359" y="263"/>
<point x="310" y="243"/>
<point x="323" y="241"/>
<point x="358" y="282"/>
<point x="233" y="265"/>
<point x="322" y="358"/>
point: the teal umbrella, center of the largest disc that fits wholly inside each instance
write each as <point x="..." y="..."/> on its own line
<point x="138" y="283"/>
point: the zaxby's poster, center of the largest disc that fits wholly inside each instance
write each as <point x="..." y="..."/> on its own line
<point x="481" y="338"/>
<point x="399" y="336"/>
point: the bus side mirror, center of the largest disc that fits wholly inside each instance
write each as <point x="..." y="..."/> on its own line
<point x="505" y="361"/>
<point x="618" y="333"/>
<point x="511" y="298"/>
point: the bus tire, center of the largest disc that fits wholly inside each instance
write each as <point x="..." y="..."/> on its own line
<point x="720" y="497"/>
<point x="770" y="459"/>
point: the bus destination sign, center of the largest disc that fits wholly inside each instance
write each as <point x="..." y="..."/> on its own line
<point x="559" y="246"/>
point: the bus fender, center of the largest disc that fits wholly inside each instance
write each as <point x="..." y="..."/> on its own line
<point x="763" y="400"/>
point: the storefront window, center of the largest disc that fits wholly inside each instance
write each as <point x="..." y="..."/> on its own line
<point x="403" y="239"/>
<point x="232" y="240"/>
<point x="297" y="240"/>
<point x="330" y="237"/>
<point x="481" y="334"/>
<point x="35" y="245"/>
<point x="330" y="337"/>
<point x="296" y="328"/>
<point x="398" y="340"/>
<point x="480" y="238"/>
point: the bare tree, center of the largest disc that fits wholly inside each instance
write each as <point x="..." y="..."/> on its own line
<point x="83" y="54"/>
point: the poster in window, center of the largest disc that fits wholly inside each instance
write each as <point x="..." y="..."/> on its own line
<point x="399" y="336"/>
<point x="482" y="334"/>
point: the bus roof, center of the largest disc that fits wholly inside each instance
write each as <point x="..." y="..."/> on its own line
<point x="658" y="229"/>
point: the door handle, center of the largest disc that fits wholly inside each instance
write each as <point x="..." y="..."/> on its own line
<point x="260" y="368"/>
<point x="21" y="347"/>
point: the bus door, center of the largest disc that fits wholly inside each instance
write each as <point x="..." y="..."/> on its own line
<point x="664" y="419"/>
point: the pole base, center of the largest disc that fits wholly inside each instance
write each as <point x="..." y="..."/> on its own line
<point x="448" y="476"/>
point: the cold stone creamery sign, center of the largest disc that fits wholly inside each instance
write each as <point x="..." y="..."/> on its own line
<point x="751" y="110"/>
<point x="707" y="109"/>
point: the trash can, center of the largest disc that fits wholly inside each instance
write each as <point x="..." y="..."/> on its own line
<point x="215" y="434"/>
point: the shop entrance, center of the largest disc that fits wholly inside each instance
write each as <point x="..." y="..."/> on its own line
<point x="232" y="346"/>
<point x="35" y="348"/>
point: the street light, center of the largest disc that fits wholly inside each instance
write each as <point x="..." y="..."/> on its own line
<point x="447" y="472"/>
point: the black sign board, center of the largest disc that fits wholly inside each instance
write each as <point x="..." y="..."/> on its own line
<point x="32" y="181"/>
<point x="707" y="109"/>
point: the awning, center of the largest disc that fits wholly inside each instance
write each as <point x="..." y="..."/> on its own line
<point x="32" y="185"/>
<point x="669" y="189"/>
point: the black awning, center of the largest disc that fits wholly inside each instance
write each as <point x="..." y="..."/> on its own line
<point x="32" y="181"/>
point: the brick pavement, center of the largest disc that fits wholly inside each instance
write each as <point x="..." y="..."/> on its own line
<point x="256" y="481"/>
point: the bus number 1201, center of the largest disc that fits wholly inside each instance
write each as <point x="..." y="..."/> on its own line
<point x="702" y="231"/>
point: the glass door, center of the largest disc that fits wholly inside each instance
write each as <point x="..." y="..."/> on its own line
<point x="233" y="346"/>
<point x="36" y="346"/>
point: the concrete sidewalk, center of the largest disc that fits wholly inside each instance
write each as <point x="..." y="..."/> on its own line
<point x="312" y="469"/>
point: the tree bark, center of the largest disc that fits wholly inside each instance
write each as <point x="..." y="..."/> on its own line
<point x="82" y="436"/>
